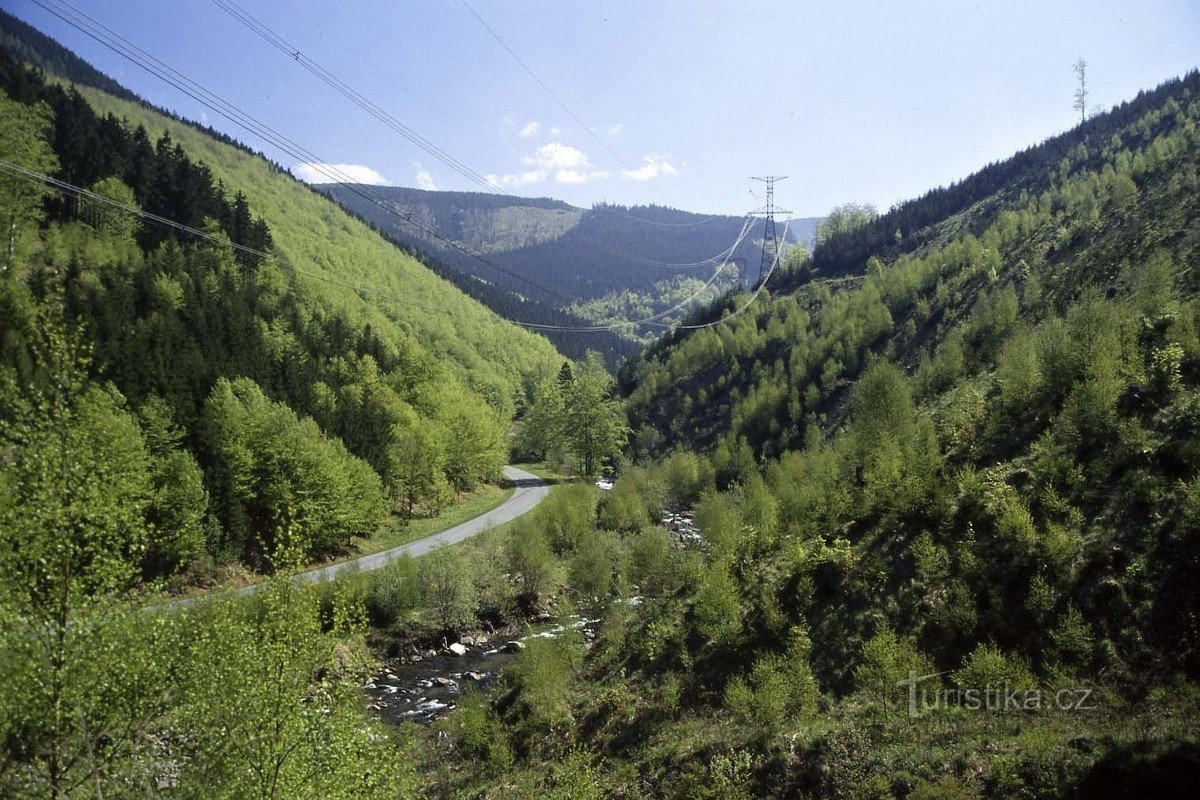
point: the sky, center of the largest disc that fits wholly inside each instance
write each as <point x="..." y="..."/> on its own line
<point x="648" y="101"/>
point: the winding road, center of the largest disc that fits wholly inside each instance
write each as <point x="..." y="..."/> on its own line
<point x="528" y="492"/>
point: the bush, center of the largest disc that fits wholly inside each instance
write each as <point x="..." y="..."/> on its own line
<point x="687" y="476"/>
<point x="393" y="592"/>
<point x="632" y="503"/>
<point x="887" y="660"/>
<point x="654" y="563"/>
<point x="987" y="666"/>
<point x="541" y="677"/>
<point x="479" y="733"/>
<point x="716" y="607"/>
<point x="568" y="515"/>
<point x="530" y="560"/>
<point x="447" y="588"/>
<point x="778" y="687"/>
<point x="594" y="564"/>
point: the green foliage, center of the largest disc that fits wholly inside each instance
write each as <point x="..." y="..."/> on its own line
<point x="577" y="416"/>
<point x="988" y="666"/>
<point x="531" y="560"/>
<point x="778" y="688"/>
<point x="416" y="462"/>
<point x="479" y="733"/>
<point x="843" y="219"/>
<point x="393" y="592"/>
<point x="716" y="606"/>
<point x="180" y="505"/>
<point x="887" y="661"/>
<point x="276" y="473"/>
<point x="270" y="707"/>
<point x="594" y="565"/>
<point x="25" y="133"/>
<point x="541" y="680"/>
<point x="448" y="589"/>
<point x="654" y="564"/>
<point x="76" y="485"/>
<point x="635" y="501"/>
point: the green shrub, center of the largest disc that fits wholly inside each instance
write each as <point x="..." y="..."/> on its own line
<point x="447" y="588"/>
<point x="479" y="733"/>
<point x="987" y="666"/>
<point x="887" y="660"/>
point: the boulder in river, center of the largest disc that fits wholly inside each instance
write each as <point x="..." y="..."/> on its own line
<point x="513" y="647"/>
<point x="458" y="649"/>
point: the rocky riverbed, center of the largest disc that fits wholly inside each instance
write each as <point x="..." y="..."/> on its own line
<point x="427" y="684"/>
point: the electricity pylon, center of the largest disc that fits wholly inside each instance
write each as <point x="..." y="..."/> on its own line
<point x="770" y="250"/>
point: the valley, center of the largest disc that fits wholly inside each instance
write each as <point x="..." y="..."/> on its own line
<point x="354" y="490"/>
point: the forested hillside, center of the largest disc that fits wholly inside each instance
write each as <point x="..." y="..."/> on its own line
<point x="342" y="363"/>
<point x="563" y="328"/>
<point x="967" y="475"/>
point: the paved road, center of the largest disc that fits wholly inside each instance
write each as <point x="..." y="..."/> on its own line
<point x="530" y="490"/>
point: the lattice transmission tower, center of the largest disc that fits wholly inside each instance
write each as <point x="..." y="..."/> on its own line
<point x="770" y="249"/>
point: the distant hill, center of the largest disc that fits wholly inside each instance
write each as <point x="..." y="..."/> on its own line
<point x="614" y="262"/>
<point x="586" y="253"/>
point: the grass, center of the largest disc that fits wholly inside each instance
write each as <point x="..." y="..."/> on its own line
<point x="548" y="473"/>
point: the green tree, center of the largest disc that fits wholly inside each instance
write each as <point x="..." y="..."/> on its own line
<point x="594" y="426"/>
<point x="180" y="503"/>
<point x="111" y="219"/>
<point x="416" y="458"/>
<point x="540" y="433"/>
<point x="270" y="704"/>
<point x="275" y="472"/>
<point x="447" y="588"/>
<point x="844" y="218"/>
<point x="74" y="488"/>
<point x="25" y="135"/>
<point x="716" y="606"/>
<point x="887" y="660"/>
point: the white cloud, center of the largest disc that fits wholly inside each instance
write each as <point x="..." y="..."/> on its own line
<point x="317" y="172"/>
<point x="652" y="167"/>
<point x="613" y="130"/>
<point x="575" y="176"/>
<point x="562" y="162"/>
<point x="530" y="130"/>
<point x="424" y="177"/>
<point x="556" y="155"/>
<point x="512" y="180"/>
<point x="555" y="130"/>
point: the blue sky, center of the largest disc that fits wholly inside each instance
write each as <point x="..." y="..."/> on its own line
<point x="855" y="101"/>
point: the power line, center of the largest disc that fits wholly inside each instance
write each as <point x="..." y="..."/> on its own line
<point x="652" y="319"/>
<point x="123" y="47"/>
<point x="770" y="241"/>
<point x="289" y="49"/>
<point x="762" y="285"/>
<point x="391" y="76"/>
<point x="131" y="52"/>
<point x="347" y="91"/>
